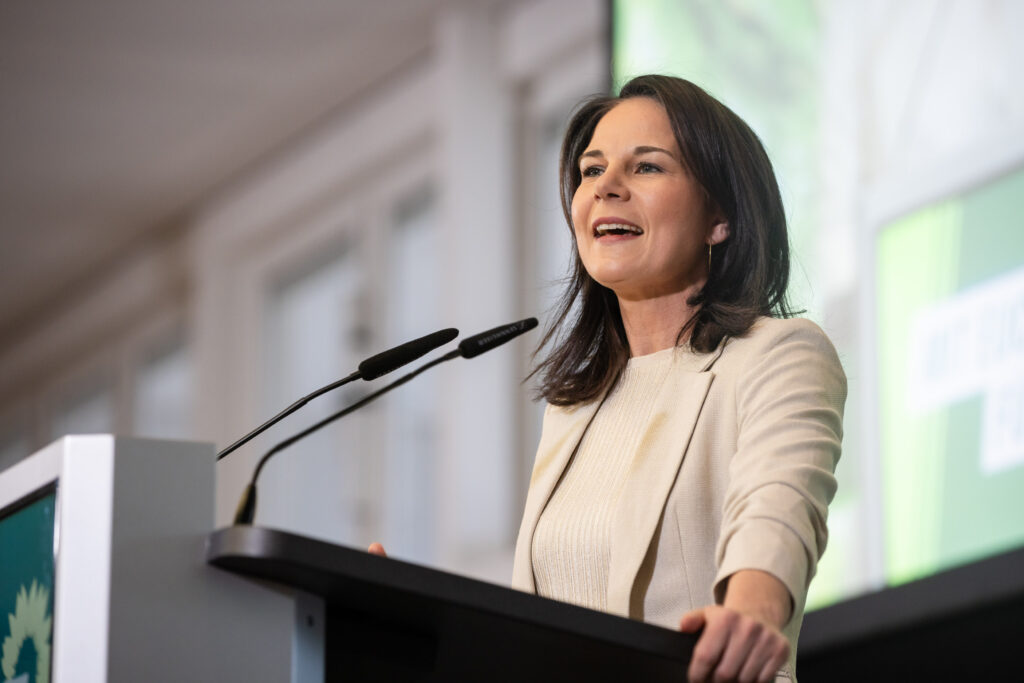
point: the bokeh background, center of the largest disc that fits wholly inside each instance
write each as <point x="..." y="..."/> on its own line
<point x="208" y="210"/>
<point x="896" y="130"/>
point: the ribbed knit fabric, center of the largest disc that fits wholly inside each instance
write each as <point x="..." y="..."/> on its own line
<point x="571" y="547"/>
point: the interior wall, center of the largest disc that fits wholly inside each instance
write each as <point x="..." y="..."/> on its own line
<point x="460" y="131"/>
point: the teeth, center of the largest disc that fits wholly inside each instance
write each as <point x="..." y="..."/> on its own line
<point x="606" y="228"/>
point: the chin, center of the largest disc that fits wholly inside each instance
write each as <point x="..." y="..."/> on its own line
<point x="611" y="283"/>
<point x="612" y="275"/>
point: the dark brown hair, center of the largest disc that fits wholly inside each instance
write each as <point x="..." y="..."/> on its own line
<point x="749" y="270"/>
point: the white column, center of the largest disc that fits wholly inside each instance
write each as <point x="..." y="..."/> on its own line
<point x="476" y="229"/>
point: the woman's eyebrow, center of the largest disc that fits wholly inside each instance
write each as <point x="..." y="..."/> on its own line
<point x="644" y="149"/>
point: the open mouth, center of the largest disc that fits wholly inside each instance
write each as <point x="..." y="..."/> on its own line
<point x="616" y="229"/>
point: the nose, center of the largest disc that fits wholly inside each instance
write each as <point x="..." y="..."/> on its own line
<point x="611" y="184"/>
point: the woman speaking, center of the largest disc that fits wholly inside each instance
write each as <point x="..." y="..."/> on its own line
<point x="692" y="429"/>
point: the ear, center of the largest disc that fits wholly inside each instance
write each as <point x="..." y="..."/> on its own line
<point x="719" y="231"/>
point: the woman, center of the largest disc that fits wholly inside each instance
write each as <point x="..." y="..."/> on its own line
<point x="692" y="429"/>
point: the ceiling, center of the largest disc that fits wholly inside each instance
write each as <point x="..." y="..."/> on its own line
<point x="117" y="116"/>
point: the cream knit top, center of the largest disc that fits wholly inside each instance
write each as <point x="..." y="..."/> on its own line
<point x="571" y="545"/>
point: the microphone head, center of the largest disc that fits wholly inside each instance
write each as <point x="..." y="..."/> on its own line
<point x="392" y="359"/>
<point x="485" y="341"/>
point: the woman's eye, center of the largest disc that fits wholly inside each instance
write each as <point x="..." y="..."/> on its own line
<point x="591" y="171"/>
<point x="645" y="167"/>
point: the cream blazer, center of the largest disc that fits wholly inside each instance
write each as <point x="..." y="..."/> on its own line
<point x="734" y="471"/>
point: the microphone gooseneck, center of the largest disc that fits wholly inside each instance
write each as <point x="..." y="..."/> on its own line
<point x="468" y="348"/>
<point x="247" y="506"/>
<point x="371" y="368"/>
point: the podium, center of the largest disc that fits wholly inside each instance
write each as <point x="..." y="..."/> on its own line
<point x="388" y="620"/>
<point x="140" y="587"/>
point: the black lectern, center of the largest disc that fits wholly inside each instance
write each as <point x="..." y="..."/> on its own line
<point x="388" y="620"/>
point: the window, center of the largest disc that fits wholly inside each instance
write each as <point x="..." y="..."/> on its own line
<point x="315" y="333"/>
<point x="412" y="414"/>
<point x="163" y="394"/>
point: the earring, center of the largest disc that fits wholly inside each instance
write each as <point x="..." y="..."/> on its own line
<point x="709" y="257"/>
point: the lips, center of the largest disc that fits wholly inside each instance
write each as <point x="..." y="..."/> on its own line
<point x="615" y="226"/>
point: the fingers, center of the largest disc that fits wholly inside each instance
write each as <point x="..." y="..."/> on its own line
<point x="710" y="645"/>
<point x="692" y="621"/>
<point x="742" y="641"/>
<point x="376" y="549"/>
<point x="765" y="659"/>
<point x="777" y="655"/>
<point x="734" y="647"/>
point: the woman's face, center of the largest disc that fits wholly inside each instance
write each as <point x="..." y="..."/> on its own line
<point x="641" y="221"/>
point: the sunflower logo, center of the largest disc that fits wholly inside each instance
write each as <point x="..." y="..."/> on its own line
<point x="29" y="622"/>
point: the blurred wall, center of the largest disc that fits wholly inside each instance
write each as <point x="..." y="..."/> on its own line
<point x="426" y="202"/>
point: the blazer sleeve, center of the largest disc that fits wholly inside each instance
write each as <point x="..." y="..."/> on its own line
<point x="789" y="403"/>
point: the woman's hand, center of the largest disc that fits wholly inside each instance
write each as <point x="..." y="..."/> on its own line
<point x="741" y="639"/>
<point x="733" y="647"/>
<point x="376" y="549"/>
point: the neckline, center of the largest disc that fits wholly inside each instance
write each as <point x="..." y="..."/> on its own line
<point x="656" y="357"/>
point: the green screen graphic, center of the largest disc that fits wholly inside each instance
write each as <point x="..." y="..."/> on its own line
<point x="951" y="375"/>
<point x="26" y="590"/>
<point x="942" y="482"/>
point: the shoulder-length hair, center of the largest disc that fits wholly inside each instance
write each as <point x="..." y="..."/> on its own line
<point x="748" y="272"/>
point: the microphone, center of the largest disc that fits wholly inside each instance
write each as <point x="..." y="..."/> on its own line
<point x="371" y="368"/>
<point x="468" y="348"/>
<point x="392" y="359"/>
<point x="485" y="341"/>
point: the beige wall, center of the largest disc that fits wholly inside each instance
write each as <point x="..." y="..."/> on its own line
<point x="466" y="121"/>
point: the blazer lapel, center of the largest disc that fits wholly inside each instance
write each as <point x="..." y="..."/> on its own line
<point x="653" y="472"/>
<point x="563" y="429"/>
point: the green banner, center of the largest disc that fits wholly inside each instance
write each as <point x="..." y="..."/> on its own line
<point x="26" y="590"/>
